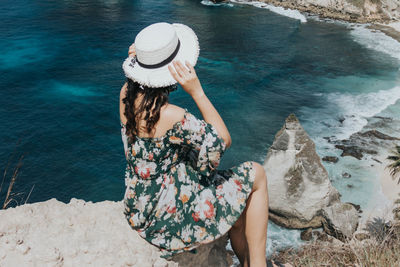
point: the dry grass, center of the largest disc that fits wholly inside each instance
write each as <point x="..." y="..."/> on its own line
<point x="10" y="196"/>
<point x="382" y="249"/>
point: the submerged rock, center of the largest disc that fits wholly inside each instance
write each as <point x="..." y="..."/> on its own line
<point x="346" y="175"/>
<point x="299" y="185"/>
<point x="330" y="159"/>
<point x="355" y="151"/>
<point x="377" y="134"/>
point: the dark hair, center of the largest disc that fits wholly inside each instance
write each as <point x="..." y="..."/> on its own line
<point x="152" y="101"/>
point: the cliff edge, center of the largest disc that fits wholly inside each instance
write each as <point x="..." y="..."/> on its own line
<point x="52" y="233"/>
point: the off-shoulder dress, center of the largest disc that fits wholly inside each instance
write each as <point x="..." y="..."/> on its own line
<point x="175" y="197"/>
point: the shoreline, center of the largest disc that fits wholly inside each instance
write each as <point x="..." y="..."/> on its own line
<point x="389" y="27"/>
<point x="340" y="13"/>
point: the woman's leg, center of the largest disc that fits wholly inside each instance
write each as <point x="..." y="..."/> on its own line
<point x="249" y="234"/>
<point x="238" y="240"/>
<point x="256" y="219"/>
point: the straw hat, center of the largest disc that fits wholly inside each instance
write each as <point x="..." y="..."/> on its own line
<point x="156" y="47"/>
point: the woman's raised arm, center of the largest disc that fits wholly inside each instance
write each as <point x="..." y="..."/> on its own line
<point x="187" y="78"/>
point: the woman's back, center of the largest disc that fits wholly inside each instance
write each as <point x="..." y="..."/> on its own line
<point x="169" y="115"/>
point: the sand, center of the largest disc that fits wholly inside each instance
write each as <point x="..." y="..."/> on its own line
<point x="390" y="187"/>
<point x="388" y="191"/>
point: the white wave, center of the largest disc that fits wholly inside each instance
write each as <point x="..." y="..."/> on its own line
<point x="279" y="238"/>
<point x="291" y="13"/>
<point x="211" y="3"/>
<point x="376" y="40"/>
<point x="356" y="109"/>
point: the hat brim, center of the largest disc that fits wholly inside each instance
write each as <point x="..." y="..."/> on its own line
<point x="160" y="77"/>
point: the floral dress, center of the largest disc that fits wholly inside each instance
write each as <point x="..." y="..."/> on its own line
<point x="175" y="197"/>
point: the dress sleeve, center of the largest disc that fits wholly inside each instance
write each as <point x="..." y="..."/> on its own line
<point x="204" y="141"/>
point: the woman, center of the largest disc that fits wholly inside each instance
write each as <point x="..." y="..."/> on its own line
<point x="175" y="197"/>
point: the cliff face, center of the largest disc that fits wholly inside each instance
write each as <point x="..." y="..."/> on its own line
<point x="350" y="10"/>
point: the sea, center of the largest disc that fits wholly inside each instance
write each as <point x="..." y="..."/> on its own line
<point x="61" y="74"/>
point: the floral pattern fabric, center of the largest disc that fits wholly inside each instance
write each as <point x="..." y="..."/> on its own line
<point x="175" y="196"/>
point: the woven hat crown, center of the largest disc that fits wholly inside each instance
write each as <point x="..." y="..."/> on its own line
<point x="156" y="43"/>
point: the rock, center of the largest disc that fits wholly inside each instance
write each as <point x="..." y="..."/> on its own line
<point x="346" y="175"/>
<point x="377" y="134"/>
<point x="316" y="233"/>
<point x="330" y="159"/>
<point x="362" y="236"/>
<point x="84" y="233"/>
<point x="300" y="187"/>
<point x="355" y="151"/>
<point x="340" y="220"/>
<point x="301" y="195"/>
<point x="323" y="237"/>
<point x="306" y="235"/>
<point x="377" y="160"/>
<point x="356" y="206"/>
<point x="350" y="186"/>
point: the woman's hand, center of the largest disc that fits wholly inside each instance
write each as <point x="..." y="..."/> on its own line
<point x="187" y="78"/>
<point x="132" y="51"/>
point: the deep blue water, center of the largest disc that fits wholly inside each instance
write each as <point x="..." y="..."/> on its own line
<point x="60" y="65"/>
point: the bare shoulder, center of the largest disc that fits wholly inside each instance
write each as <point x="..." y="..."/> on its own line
<point x="172" y="113"/>
<point x="122" y="93"/>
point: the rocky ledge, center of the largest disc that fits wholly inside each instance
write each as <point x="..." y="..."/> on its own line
<point x="52" y="233"/>
<point x="300" y="192"/>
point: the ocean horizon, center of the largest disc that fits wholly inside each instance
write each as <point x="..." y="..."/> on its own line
<point x="61" y="65"/>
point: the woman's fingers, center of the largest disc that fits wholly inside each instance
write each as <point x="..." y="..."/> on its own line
<point x="132" y="50"/>
<point x="182" y="74"/>
<point x="178" y="69"/>
<point x="190" y="67"/>
<point x="174" y="74"/>
<point x="183" y="71"/>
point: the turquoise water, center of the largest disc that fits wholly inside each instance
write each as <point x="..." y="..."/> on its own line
<point x="61" y="74"/>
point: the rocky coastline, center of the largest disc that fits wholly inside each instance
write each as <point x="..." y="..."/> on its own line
<point x="358" y="11"/>
<point x="382" y="15"/>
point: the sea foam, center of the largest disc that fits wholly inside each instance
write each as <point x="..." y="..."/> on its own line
<point x="376" y="40"/>
<point x="355" y="109"/>
<point x="294" y="14"/>
<point x="210" y="3"/>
